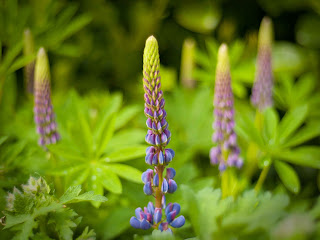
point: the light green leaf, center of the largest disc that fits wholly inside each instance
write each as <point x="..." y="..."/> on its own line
<point x="106" y="135"/>
<point x="125" y="171"/>
<point x="70" y="194"/>
<point x="271" y="120"/>
<point x="125" y="115"/>
<point x="89" y="196"/>
<point x="65" y="152"/>
<point x="311" y="130"/>
<point x="126" y="153"/>
<point x="12" y="220"/>
<point x="291" y="122"/>
<point x="126" y="138"/>
<point x="308" y="156"/>
<point x="288" y="176"/>
<point x="21" y="62"/>
<point x="79" y="177"/>
<point x="111" y="181"/>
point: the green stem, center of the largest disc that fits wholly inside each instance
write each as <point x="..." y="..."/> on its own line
<point x="262" y="178"/>
<point x="225" y="183"/>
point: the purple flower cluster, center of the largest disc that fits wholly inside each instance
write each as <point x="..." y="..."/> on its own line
<point x="157" y="155"/>
<point x="226" y="153"/>
<point x="151" y="181"/>
<point x="262" y="88"/>
<point x="43" y="110"/>
<point x="152" y="217"/>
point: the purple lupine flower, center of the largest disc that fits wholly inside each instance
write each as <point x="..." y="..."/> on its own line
<point x="226" y="153"/>
<point x="43" y="111"/>
<point x="157" y="155"/>
<point x="262" y="88"/>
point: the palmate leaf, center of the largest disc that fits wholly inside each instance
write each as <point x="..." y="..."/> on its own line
<point x="126" y="153"/>
<point x="308" y="156"/>
<point x="126" y="138"/>
<point x="291" y="122"/>
<point x="126" y="172"/>
<point x="125" y="115"/>
<point x="288" y="176"/>
<point x="110" y="180"/>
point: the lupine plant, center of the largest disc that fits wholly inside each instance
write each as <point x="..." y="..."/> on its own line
<point x="43" y="109"/>
<point x="262" y="88"/>
<point x="157" y="155"/>
<point x="28" y="50"/>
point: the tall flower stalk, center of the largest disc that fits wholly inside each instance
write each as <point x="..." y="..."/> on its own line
<point x="159" y="180"/>
<point x="261" y="96"/>
<point x="43" y="111"/>
<point x="226" y="152"/>
<point x="28" y="50"/>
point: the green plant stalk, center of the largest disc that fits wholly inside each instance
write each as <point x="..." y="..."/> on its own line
<point x="262" y="177"/>
<point x="253" y="149"/>
<point x="158" y="193"/>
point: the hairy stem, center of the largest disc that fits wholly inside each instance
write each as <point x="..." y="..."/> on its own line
<point x="159" y="170"/>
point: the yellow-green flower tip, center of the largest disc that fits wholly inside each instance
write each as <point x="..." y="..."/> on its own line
<point x="266" y="32"/>
<point x="42" y="72"/>
<point x="151" y="60"/>
<point x="223" y="60"/>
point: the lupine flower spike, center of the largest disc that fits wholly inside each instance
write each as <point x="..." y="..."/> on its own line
<point x="43" y="112"/>
<point x="261" y="96"/>
<point x="29" y="68"/>
<point x="159" y="180"/>
<point x="226" y="153"/>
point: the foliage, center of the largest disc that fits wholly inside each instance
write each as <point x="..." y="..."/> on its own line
<point x="35" y="212"/>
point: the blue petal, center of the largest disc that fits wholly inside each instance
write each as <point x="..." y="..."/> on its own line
<point x="172" y="186"/>
<point x="150" y="208"/>
<point x="134" y="222"/>
<point x="147" y="188"/>
<point x="137" y="212"/>
<point x="178" y="222"/>
<point x="156" y="180"/>
<point x="161" y="158"/>
<point x="145" y="225"/>
<point x="171" y="173"/>
<point x="164" y="187"/>
<point x="157" y="215"/>
<point x="171" y="216"/>
<point x="176" y="207"/>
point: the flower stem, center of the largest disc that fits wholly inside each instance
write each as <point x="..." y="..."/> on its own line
<point x="262" y="178"/>
<point x="158" y="194"/>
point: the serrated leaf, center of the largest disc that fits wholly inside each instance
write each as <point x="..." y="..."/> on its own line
<point x="290" y="122"/>
<point x="126" y="172"/>
<point x="125" y="115"/>
<point x="89" y="196"/>
<point x="70" y="194"/>
<point x="126" y="153"/>
<point x="288" y="176"/>
<point x="12" y="220"/>
<point x="87" y="235"/>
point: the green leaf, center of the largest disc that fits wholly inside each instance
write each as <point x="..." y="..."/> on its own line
<point x="89" y="196"/>
<point x="79" y="177"/>
<point x="3" y="139"/>
<point x="125" y="115"/>
<point x="126" y="153"/>
<point x="21" y="62"/>
<point x="126" y="138"/>
<point x="12" y="220"/>
<point x="63" y="151"/>
<point x="291" y="122"/>
<point x="308" y="156"/>
<point x="110" y="181"/>
<point x="70" y="194"/>
<point x="311" y="130"/>
<point x="126" y="172"/>
<point x="116" y="222"/>
<point x="87" y="235"/>
<point x="271" y="120"/>
<point x="106" y="135"/>
<point x="288" y="176"/>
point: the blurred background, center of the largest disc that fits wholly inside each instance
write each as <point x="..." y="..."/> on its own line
<point x="95" y="50"/>
<point x="99" y="44"/>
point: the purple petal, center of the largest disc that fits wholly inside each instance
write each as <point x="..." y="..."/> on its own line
<point x="178" y="222"/>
